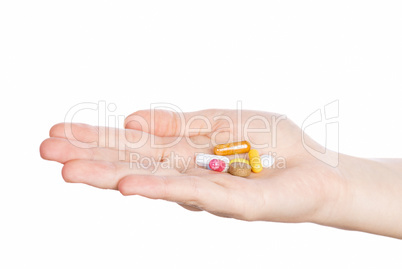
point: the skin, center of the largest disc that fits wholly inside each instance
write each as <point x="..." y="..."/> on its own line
<point x="356" y="194"/>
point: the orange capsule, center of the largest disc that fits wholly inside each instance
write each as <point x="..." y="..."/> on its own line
<point x="232" y="148"/>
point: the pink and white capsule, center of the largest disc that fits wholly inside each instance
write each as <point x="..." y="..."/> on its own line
<point x="203" y="160"/>
<point x="218" y="165"/>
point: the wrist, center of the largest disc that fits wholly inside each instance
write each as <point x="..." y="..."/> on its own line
<point x="368" y="197"/>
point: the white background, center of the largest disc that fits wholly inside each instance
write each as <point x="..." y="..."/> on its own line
<point x="291" y="57"/>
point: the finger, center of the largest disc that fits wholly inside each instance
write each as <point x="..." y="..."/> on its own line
<point x="229" y="200"/>
<point x="99" y="136"/>
<point x="191" y="208"/>
<point x="130" y="145"/>
<point x="168" y="123"/>
<point x="62" y="150"/>
<point x="121" y="139"/>
<point x="76" y="131"/>
<point x="106" y="175"/>
<point x="185" y="190"/>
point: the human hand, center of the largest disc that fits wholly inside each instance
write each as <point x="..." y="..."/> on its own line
<point x="298" y="188"/>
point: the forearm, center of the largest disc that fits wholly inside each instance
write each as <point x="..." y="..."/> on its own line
<point x="371" y="199"/>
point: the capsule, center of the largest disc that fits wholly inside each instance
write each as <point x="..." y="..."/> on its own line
<point x="203" y="159"/>
<point x="255" y="161"/>
<point x="218" y="165"/>
<point x="239" y="160"/>
<point x="232" y="148"/>
<point x="240" y="169"/>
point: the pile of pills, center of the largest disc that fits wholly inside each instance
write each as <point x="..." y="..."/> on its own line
<point x="239" y="166"/>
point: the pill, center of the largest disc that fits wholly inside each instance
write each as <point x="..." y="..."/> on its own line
<point x="255" y="160"/>
<point x="239" y="160"/>
<point x="203" y="159"/>
<point x="232" y="148"/>
<point x="240" y="169"/>
<point x="217" y="165"/>
<point x="267" y="161"/>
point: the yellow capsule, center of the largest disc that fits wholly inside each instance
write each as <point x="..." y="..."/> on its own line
<point x="239" y="160"/>
<point x="255" y="161"/>
<point x="232" y="148"/>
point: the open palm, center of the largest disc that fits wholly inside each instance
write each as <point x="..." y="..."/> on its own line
<point x="154" y="157"/>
